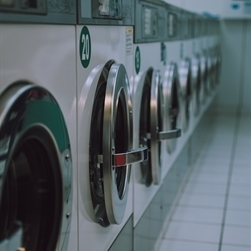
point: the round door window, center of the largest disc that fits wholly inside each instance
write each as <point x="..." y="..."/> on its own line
<point x="172" y="96"/>
<point x="36" y="169"/>
<point x="145" y="128"/>
<point x="185" y="76"/>
<point x="196" y="84"/>
<point x="150" y="124"/>
<point x="110" y="145"/>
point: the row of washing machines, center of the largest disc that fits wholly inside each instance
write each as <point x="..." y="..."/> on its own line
<point x="97" y="100"/>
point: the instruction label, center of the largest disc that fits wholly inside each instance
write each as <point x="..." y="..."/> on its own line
<point x="129" y="41"/>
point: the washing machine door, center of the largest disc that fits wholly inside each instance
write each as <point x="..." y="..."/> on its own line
<point x="35" y="170"/>
<point x="111" y="150"/>
<point x="214" y="69"/>
<point x="185" y="79"/>
<point x="196" y="84"/>
<point x="172" y="100"/>
<point x="218" y="66"/>
<point x="203" y="78"/>
<point x="152" y="131"/>
<point x="210" y="70"/>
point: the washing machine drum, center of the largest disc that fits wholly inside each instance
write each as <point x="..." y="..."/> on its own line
<point x="35" y="170"/>
<point x="111" y="145"/>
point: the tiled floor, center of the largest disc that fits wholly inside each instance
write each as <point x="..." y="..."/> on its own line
<point x="214" y="209"/>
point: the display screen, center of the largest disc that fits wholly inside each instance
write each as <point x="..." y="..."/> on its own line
<point x="149" y="21"/>
<point x="172" y="25"/>
<point x="7" y="3"/>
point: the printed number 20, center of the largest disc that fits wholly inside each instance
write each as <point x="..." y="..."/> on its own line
<point x="86" y="47"/>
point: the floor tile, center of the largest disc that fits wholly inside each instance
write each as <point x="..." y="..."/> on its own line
<point x="201" y="215"/>
<point x="212" y="166"/>
<point x="241" y="166"/>
<point x="209" y="201"/>
<point x="241" y="170"/>
<point x="240" y="179"/>
<point x="237" y="235"/>
<point x="211" y="171"/>
<point x="193" y="232"/>
<point x="234" y="248"/>
<point x="239" y="218"/>
<point x="238" y="190"/>
<point x="214" y="162"/>
<point x="174" y="245"/>
<point x="196" y="223"/>
<point x="217" y="155"/>
<point x="239" y="203"/>
<point x="209" y="178"/>
<point x="242" y="152"/>
<point x="242" y="162"/>
<point x="206" y="189"/>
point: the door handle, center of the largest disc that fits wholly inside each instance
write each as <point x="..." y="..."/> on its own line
<point x="170" y="134"/>
<point x="127" y="158"/>
<point x="134" y="156"/>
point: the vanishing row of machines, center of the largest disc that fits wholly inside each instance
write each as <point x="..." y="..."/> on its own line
<point x="98" y="100"/>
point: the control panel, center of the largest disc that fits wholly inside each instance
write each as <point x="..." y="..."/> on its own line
<point x="24" y="6"/>
<point x="106" y="12"/>
<point x="173" y="23"/>
<point x="107" y="9"/>
<point x="150" y="20"/>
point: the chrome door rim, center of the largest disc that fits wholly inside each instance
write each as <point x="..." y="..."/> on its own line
<point x="171" y="85"/>
<point x="185" y="84"/>
<point x="114" y="163"/>
<point x="156" y="125"/>
<point x="196" y="85"/>
<point x="31" y="102"/>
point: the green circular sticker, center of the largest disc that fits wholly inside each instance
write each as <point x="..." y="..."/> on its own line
<point x="85" y="47"/>
<point x="163" y="53"/>
<point x="137" y="60"/>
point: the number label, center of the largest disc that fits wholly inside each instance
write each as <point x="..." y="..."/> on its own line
<point x="85" y="47"/>
<point x="137" y="60"/>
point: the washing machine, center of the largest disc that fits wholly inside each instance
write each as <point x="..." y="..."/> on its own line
<point x="185" y="69"/>
<point x="37" y="130"/>
<point x="210" y="43"/>
<point x="209" y="55"/>
<point x="215" y="51"/>
<point x="195" y="60"/>
<point x="203" y="60"/>
<point x="171" y="83"/>
<point x="105" y="123"/>
<point x="150" y="113"/>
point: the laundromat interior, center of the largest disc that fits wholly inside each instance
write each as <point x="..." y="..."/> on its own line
<point x="125" y="125"/>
